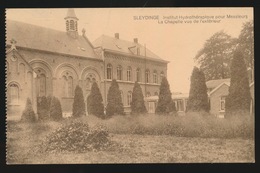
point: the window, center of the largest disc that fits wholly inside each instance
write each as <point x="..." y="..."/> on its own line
<point x="222" y="103"/>
<point x="119" y="72"/>
<point x="155" y="80"/>
<point x="148" y="94"/>
<point x="180" y="105"/>
<point x="13" y="94"/>
<point x="161" y="75"/>
<point x="129" y="74"/>
<point x="138" y="75"/>
<point x="109" y="71"/>
<point x="147" y="76"/>
<point x="122" y="96"/>
<point x="22" y="71"/>
<point x="67" y="25"/>
<point x="42" y="85"/>
<point x="129" y="98"/>
<point x="72" y="25"/>
<point x="67" y="82"/>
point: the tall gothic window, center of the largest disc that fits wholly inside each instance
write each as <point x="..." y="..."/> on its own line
<point x="155" y="80"/>
<point x="42" y="85"/>
<point x="138" y="75"/>
<point x="119" y="72"/>
<point x="129" y="98"/>
<point x="109" y="71"/>
<point x="147" y="76"/>
<point x="129" y="74"/>
<point x="72" y="25"/>
<point x="122" y="96"/>
<point x="161" y="76"/>
<point x="13" y="94"/>
<point x="67" y="82"/>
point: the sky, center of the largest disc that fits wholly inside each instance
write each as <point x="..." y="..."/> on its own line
<point x="162" y="30"/>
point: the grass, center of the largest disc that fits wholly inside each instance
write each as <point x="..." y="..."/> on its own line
<point x="143" y="139"/>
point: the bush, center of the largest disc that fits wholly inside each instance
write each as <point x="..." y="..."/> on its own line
<point x="114" y="100"/>
<point x="55" y="109"/>
<point x="165" y="102"/>
<point x="137" y="104"/>
<point x="78" y="107"/>
<point x="95" y="102"/>
<point x="42" y="108"/>
<point x="239" y="98"/>
<point x="198" y="97"/>
<point x="28" y="113"/>
<point x="76" y="136"/>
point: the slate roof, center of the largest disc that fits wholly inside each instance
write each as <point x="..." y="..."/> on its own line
<point x="125" y="47"/>
<point x="214" y="83"/>
<point x="46" y="39"/>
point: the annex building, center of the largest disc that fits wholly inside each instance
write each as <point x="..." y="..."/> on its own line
<point x="45" y="62"/>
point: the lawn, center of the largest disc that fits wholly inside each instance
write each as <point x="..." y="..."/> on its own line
<point x="23" y="140"/>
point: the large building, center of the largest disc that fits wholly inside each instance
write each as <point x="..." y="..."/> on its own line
<point x="44" y="62"/>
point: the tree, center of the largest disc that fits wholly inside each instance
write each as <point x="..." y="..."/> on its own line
<point x="214" y="58"/>
<point x="137" y="104"/>
<point x="165" y="102"/>
<point x="95" y="104"/>
<point x="42" y="108"/>
<point x="115" y="104"/>
<point x="239" y="96"/>
<point x="28" y="113"/>
<point x="78" y="107"/>
<point x="198" y="97"/>
<point x="246" y="44"/>
<point x="55" y="109"/>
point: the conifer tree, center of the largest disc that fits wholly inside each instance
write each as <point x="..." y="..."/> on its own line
<point x="28" y="113"/>
<point x="114" y="100"/>
<point x="137" y="104"/>
<point x="95" y="102"/>
<point x="42" y="108"/>
<point x="55" y="109"/>
<point x="78" y="107"/>
<point x="165" y="102"/>
<point x="239" y="96"/>
<point x="198" y="97"/>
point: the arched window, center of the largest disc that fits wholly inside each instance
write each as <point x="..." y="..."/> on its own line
<point x="72" y="25"/>
<point x="119" y="72"/>
<point x="22" y="71"/>
<point x="148" y="94"/>
<point x="129" y="98"/>
<point x="42" y="85"/>
<point x="67" y="25"/>
<point x="138" y="75"/>
<point x="129" y="74"/>
<point x="30" y="84"/>
<point x="67" y="82"/>
<point x="161" y="76"/>
<point x="122" y="96"/>
<point x="147" y="76"/>
<point x="109" y="71"/>
<point x="13" y="94"/>
<point x="155" y="80"/>
<point x="156" y="93"/>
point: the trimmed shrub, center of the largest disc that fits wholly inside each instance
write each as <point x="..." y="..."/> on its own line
<point x="165" y="102"/>
<point x="55" y="109"/>
<point x="42" y="108"/>
<point x="95" y="102"/>
<point x="114" y="100"/>
<point x="239" y="98"/>
<point x="198" y="97"/>
<point x="78" y="107"/>
<point x="28" y="113"/>
<point x="137" y="104"/>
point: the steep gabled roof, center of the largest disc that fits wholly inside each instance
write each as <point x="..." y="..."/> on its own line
<point x="46" y="39"/>
<point x="125" y="47"/>
<point x="219" y="86"/>
<point x="214" y="83"/>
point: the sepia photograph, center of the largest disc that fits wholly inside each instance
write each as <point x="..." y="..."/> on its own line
<point x="129" y="85"/>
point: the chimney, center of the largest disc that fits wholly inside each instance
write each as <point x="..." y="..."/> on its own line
<point x="135" y="40"/>
<point x="117" y="35"/>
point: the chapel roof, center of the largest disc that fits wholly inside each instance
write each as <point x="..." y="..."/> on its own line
<point x="214" y="83"/>
<point x="46" y="39"/>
